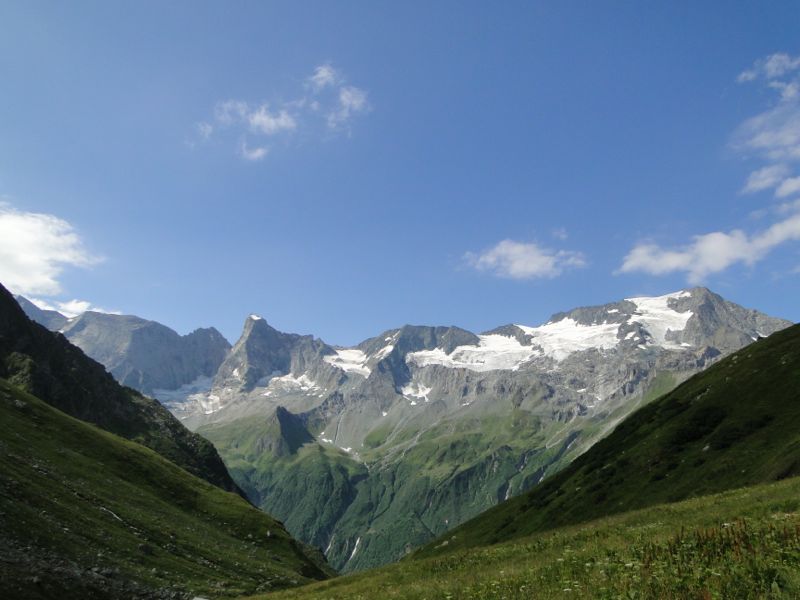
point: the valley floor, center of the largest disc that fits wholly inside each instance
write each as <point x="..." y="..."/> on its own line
<point x="743" y="543"/>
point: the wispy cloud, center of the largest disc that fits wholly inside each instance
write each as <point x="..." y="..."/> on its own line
<point x="204" y="130"/>
<point x="326" y="102"/>
<point x="765" y="178"/>
<point x="711" y="252"/>
<point x="35" y="248"/>
<point x="520" y="260"/>
<point x="324" y="76"/>
<point x="770" y="68"/>
<point x="252" y="154"/>
<point x="269" y="123"/>
<point x="773" y="137"/>
<point x="774" y="134"/>
<point x="352" y="101"/>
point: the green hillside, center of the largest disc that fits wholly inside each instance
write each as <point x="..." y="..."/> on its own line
<point x="87" y="514"/>
<point x="736" y="424"/>
<point x="48" y="366"/>
<point x="739" y="544"/>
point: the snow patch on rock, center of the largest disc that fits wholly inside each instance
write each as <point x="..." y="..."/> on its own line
<point x="494" y="352"/>
<point x="416" y="390"/>
<point x="350" y="360"/>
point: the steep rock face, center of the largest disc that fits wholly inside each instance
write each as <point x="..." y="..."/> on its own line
<point x="435" y="424"/>
<point x="146" y="355"/>
<point x="263" y="352"/>
<point x="50" y="367"/>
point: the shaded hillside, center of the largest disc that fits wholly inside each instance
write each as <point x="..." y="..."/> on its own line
<point x="86" y="514"/>
<point x="736" y="424"/>
<point x="47" y="365"/>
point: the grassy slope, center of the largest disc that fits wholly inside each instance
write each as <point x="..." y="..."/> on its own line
<point x="743" y="543"/>
<point x="83" y="513"/>
<point x="48" y="366"/>
<point x="736" y="424"/>
<point x="452" y="472"/>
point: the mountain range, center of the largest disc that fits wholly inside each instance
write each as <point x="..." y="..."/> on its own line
<point x="369" y="451"/>
<point x="694" y="495"/>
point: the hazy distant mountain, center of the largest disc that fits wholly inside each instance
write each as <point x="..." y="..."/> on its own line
<point x="142" y="354"/>
<point x="420" y="428"/>
<point x="51" y="319"/>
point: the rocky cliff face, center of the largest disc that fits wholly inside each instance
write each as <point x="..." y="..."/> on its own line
<point x="421" y="428"/>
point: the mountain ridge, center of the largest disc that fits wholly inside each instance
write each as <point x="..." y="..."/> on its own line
<point x="432" y="425"/>
<point x="139" y="353"/>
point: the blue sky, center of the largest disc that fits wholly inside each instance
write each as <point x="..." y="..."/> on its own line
<point x="343" y="168"/>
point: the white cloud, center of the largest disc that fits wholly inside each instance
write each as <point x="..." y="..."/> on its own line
<point x="768" y="177"/>
<point x="325" y="102"/>
<point x="263" y="121"/>
<point x="252" y="154"/>
<point x="773" y="135"/>
<point x="352" y="101"/>
<point x="775" y="65"/>
<point x="789" y="91"/>
<point x="324" y="76"/>
<point x="788" y="187"/>
<point x="519" y="260"/>
<point x="560" y="233"/>
<point x="712" y="252"/>
<point x="34" y="250"/>
<point x="71" y="308"/>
